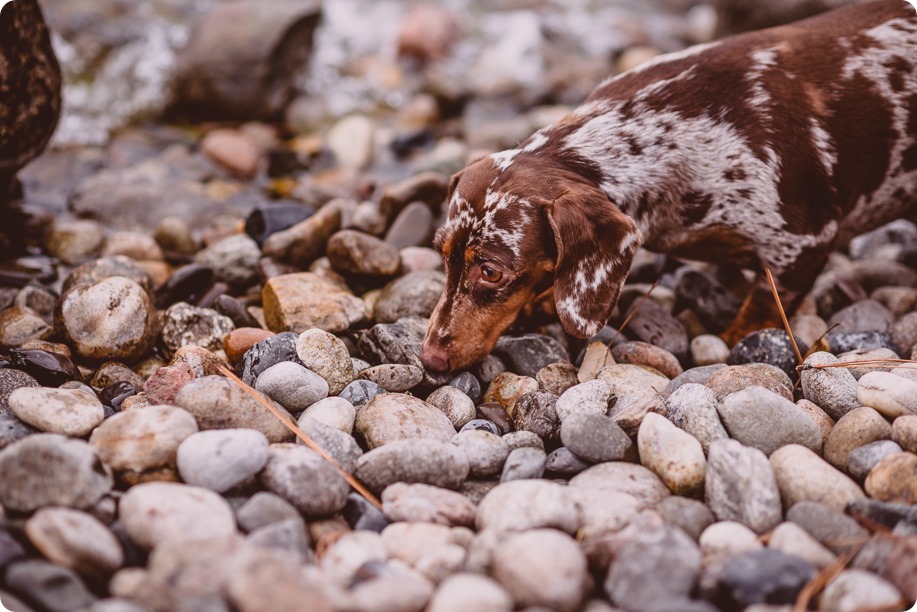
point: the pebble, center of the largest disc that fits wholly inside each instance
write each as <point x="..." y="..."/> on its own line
<point x="356" y="253"/>
<point x="631" y="582"/>
<point x="164" y="384"/>
<point x="891" y="395"/>
<point x="594" y="438"/>
<point x="719" y="543"/>
<point x="643" y="353"/>
<point x="68" y="412"/>
<point x="834" y="390"/>
<point x="862" y="459"/>
<point x="825" y="423"/>
<point x="792" y="539"/>
<point x="866" y="355"/>
<point x="10" y="380"/>
<point x="413" y="226"/>
<point x="763" y="576"/>
<point x="654" y="324"/>
<point x="857" y="428"/>
<point x="266" y="353"/>
<point x="233" y="259"/>
<point x="221" y="459"/>
<point x="351" y="140"/>
<point x="233" y="308"/>
<point x="619" y="477"/>
<point x="51" y="470"/>
<point x="708" y="349"/>
<point x="636" y="390"/>
<point x="741" y="486"/>
<point x="303" y="478"/>
<point x="525" y="462"/>
<point x="562" y="462"/>
<point x="855" y="589"/>
<point x="326" y="355"/>
<point x="455" y="404"/>
<point x="264" y="508"/>
<point x="361" y="392"/>
<point x="111" y="320"/>
<point x="50" y="586"/>
<point x="692" y="516"/>
<point x="828" y="525"/>
<point x="771" y="346"/>
<point x="557" y="377"/>
<point x="673" y="455"/>
<point x="486" y="452"/>
<point x="304" y="242"/>
<point x="339" y="445"/>
<point x="536" y="412"/>
<point x="394" y="377"/>
<point x="542" y="567"/>
<point x="413" y="460"/>
<point x="590" y="397"/>
<point x="394" y="416"/>
<point x="292" y="386"/>
<point x="521" y="505"/>
<point x="304" y="300"/>
<point x="202" y="362"/>
<point x="764" y="420"/>
<point x="19" y="326"/>
<point x="233" y="150"/>
<point x="904" y="432"/>
<point x="157" y="512"/>
<point x="188" y="283"/>
<point x="904" y="332"/>
<point x="507" y="388"/>
<point x="526" y="355"/>
<point x="75" y="540"/>
<point x="864" y="315"/>
<point x="692" y="407"/>
<point x="334" y="412"/>
<point x="465" y="591"/>
<point x="145" y="440"/>
<point x="892" y="479"/>
<point x="425" y="503"/>
<point x="186" y="325"/>
<point x="12" y="429"/>
<point x="804" y="476"/>
<point x="207" y="398"/>
<point x="75" y="241"/>
<point x="714" y="304"/>
<point x="413" y="295"/>
<point x="736" y="378"/>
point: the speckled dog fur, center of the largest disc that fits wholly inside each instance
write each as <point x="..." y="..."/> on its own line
<point x="768" y="149"/>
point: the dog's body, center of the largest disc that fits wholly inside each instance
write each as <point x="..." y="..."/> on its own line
<point x="768" y="149"/>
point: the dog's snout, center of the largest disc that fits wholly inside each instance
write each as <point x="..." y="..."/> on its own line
<point x="434" y="358"/>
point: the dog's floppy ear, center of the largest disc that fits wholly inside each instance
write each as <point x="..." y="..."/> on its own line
<point x="596" y="243"/>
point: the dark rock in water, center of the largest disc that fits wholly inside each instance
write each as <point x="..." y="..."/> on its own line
<point x="361" y="392"/>
<point x="10" y="380"/>
<point x="842" y="342"/>
<point x="49" y="369"/>
<point x="12" y="429"/>
<point x="268" y="352"/>
<point x="270" y="218"/>
<point x="244" y="58"/>
<point x="482" y="425"/>
<point x="361" y="515"/>
<point x="229" y="306"/>
<point x="762" y="576"/>
<point x="713" y="303"/>
<point x="469" y="385"/>
<point x="771" y="346"/>
<point x="186" y="284"/>
<point x="114" y="394"/>
<point x="527" y="354"/>
<point x="496" y="414"/>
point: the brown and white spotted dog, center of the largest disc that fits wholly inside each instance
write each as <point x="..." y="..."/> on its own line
<point x="770" y="148"/>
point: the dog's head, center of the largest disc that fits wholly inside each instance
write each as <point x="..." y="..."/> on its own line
<point x="516" y="230"/>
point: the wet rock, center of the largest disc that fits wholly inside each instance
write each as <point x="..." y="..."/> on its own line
<point x="654" y="324"/>
<point x="69" y="412"/>
<point x="890" y="395"/>
<point x="856" y="428"/>
<point x="220" y="460"/>
<point x="542" y="567"/>
<point x="109" y="320"/>
<point x="394" y="416"/>
<point x="485" y="451"/>
<point x="735" y="378"/>
<point x="526" y="355"/>
<point x="708" y="349"/>
<point x="233" y="259"/>
<point x="412" y="295"/>
<point x="832" y="389"/>
<point x="521" y="505"/>
<point x="48" y="469"/>
<point x="75" y="540"/>
<point x="304" y="479"/>
<point x="692" y="407"/>
<point x="394" y="377"/>
<point x="139" y="441"/>
<point x="673" y="455"/>
<point x="422" y="460"/>
<point x="301" y="301"/>
<point x="292" y="386"/>
<point x="594" y="438"/>
<point x="741" y="486"/>
<point x="156" y="512"/>
<point x="186" y="284"/>
<point x="525" y="462"/>
<point x="764" y="420"/>
<point x="207" y="398"/>
<point x="228" y="68"/>
<point x="641" y="353"/>
<point x="792" y="539"/>
<point x="50" y="586"/>
<point x="892" y="479"/>
<point x="49" y="369"/>
<point x="804" y="476"/>
<point x="763" y="576"/>
<point x="455" y="404"/>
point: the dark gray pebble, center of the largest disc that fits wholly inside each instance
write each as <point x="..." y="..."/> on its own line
<point x="361" y="392"/>
<point x="525" y="355"/>
<point x="764" y="576"/>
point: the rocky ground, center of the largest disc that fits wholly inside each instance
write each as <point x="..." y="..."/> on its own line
<point x="665" y="472"/>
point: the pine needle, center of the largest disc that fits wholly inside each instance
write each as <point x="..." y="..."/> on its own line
<point x="290" y="424"/>
<point x="874" y="363"/>
<point x="822" y="578"/>
<point x="786" y="323"/>
<point x="633" y="311"/>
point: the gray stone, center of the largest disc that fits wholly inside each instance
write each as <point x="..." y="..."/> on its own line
<point x="673" y="455"/>
<point x="636" y="392"/>
<point x="75" y="540"/>
<point x="462" y="592"/>
<point x="770" y="345"/>
<point x="264" y="508"/>
<point x="862" y="459"/>
<point x="856" y="428"/>
<point x="708" y="349"/>
<point x="524" y="462"/>
<point x="485" y="451"/>
<point x="620" y="477"/>
<point x="187" y="325"/>
<point x="590" y="397"/>
<point x="222" y="459"/>
<point x="526" y="355"/>
<point x="413" y="460"/>
<point x="10" y="380"/>
<point x="334" y="412"/>
<point x="361" y="392"/>
<point x="455" y="404"/>
<point x="737" y="378"/>
<point x="699" y="375"/>
<point x="562" y="462"/>
<point x="394" y="377"/>
<point x="157" y="512"/>
<point x="741" y="486"/>
<point x="764" y="420"/>
<point x="829" y="526"/>
<point x="855" y="589"/>
<point x="891" y="395"/>
<point x="654" y="324"/>
<point x="804" y="476"/>
<point x="536" y="412"/>
<point x="763" y="576"/>
<point x="413" y="295"/>
<point x="692" y="407"/>
<point x="689" y="514"/>
<point x="292" y="386"/>
<point x="523" y="439"/>
<point x="303" y="478"/>
<point x="834" y="390"/>
<point x="425" y="503"/>
<point x="233" y="259"/>
<point x="594" y="438"/>
<point x="141" y="440"/>
<point x="68" y="412"/>
<point x="12" y="430"/>
<point x="394" y="416"/>
<point x="864" y="315"/>
<point x="339" y="445"/>
<point x="51" y="470"/>
<point x="52" y="587"/>
<point x="792" y="539"/>
<point x="521" y="505"/>
<point x="326" y="355"/>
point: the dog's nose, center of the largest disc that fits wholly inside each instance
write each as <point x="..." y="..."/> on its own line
<point x="434" y="358"/>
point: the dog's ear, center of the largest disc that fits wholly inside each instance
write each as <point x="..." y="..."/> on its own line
<point x="596" y="243"/>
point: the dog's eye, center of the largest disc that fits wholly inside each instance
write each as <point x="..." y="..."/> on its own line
<point x="491" y="274"/>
